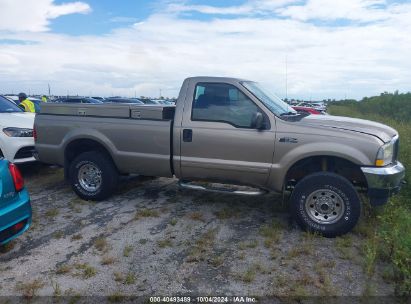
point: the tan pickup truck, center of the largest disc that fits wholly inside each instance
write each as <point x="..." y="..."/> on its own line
<point x="231" y="131"/>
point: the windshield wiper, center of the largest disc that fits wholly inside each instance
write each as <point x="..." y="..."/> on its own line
<point x="289" y="114"/>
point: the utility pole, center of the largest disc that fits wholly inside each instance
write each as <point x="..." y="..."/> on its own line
<point x="286" y="77"/>
<point x="49" y="89"/>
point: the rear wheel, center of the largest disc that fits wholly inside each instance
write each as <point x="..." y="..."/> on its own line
<point x="326" y="203"/>
<point x="93" y="176"/>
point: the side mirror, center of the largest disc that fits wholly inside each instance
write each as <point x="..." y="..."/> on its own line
<point x="258" y="121"/>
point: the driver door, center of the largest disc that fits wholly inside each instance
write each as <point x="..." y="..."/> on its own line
<point x="219" y="141"/>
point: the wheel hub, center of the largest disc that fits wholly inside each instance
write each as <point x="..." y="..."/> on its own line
<point x="89" y="177"/>
<point x="324" y="206"/>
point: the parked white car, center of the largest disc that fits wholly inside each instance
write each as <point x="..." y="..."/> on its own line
<point x="16" y="133"/>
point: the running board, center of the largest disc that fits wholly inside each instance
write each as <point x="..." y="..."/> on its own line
<point x="188" y="185"/>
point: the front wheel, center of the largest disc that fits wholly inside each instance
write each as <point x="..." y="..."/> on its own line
<point x="326" y="203"/>
<point x="93" y="176"/>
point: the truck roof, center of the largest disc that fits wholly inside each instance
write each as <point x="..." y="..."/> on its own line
<point x="215" y="79"/>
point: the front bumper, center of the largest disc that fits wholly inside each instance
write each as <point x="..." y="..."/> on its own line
<point x="383" y="182"/>
<point x="14" y="148"/>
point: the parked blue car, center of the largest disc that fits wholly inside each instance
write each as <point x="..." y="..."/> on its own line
<point x="15" y="207"/>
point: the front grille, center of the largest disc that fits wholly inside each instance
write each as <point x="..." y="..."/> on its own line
<point x="9" y="232"/>
<point x="396" y="149"/>
<point x="25" y="152"/>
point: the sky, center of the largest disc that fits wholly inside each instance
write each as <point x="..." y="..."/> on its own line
<point x="307" y="49"/>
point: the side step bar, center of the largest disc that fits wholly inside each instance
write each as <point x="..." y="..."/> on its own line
<point x="189" y="185"/>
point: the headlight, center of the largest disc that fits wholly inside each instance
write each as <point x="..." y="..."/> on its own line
<point x="385" y="155"/>
<point x="18" y="132"/>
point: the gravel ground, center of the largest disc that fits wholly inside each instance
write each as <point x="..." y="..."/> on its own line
<point x="153" y="239"/>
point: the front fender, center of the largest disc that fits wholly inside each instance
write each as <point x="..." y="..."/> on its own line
<point x="287" y="160"/>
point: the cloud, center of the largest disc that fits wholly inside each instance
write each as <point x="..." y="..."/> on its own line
<point x="34" y="15"/>
<point x="251" y="7"/>
<point x="122" y="19"/>
<point x="158" y="53"/>
<point x="358" y="10"/>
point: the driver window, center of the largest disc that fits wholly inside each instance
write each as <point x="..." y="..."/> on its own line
<point x="222" y="102"/>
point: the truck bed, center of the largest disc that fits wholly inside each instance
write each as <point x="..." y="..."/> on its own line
<point x="138" y="137"/>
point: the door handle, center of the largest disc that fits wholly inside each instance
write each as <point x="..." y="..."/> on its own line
<point x="187" y="135"/>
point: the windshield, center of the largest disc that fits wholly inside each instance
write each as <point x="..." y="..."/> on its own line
<point x="6" y="106"/>
<point x="272" y="102"/>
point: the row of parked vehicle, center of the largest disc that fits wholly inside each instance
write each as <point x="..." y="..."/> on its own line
<point x="315" y="108"/>
<point x="100" y="100"/>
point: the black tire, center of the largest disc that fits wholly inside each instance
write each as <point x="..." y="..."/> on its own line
<point x="339" y="196"/>
<point x="108" y="175"/>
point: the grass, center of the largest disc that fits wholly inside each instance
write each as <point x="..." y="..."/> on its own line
<point x="370" y="249"/>
<point x="76" y="237"/>
<point x="107" y="260"/>
<point x="173" y="222"/>
<point x="306" y="248"/>
<point x="196" y="216"/>
<point x="217" y="260"/>
<point x="164" y="243"/>
<point x="202" y="246"/>
<point x="29" y="289"/>
<point x="130" y="279"/>
<point x="388" y="230"/>
<point x="56" y="289"/>
<point x="63" y="269"/>
<point x="146" y="213"/>
<point x="58" y="234"/>
<point x="101" y="244"/>
<point x="128" y="249"/>
<point x="52" y="213"/>
<point x="226" y="213"/>
<point x="271" y="233"/>
<point x="118" y="276"/>
<point x="87" y="271"/>
<point x="344" y="245"/>
<point x="116" y="297"/>
<point x="250" y="245"/>
<point x="250" y="274"/>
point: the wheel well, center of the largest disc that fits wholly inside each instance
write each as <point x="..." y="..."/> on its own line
<point x="341" y="166"/>
<point x="79" y="146"/>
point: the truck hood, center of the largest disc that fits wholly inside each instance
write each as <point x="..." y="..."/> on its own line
<point x="383" y="132"/>
<point x="17" y="120"/>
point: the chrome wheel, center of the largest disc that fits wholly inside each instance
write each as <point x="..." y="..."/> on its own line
<point x="324" y="206"/>
<point x="89" y="177"/>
